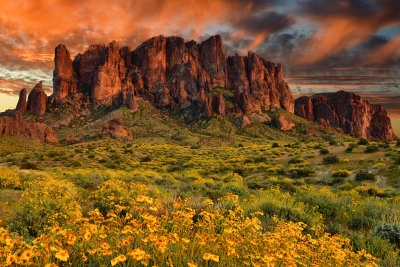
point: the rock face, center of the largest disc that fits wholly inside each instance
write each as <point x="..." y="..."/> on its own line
<point x="21" y="105"/>
<point x="283" y="123"/>
<point x="116" y="129"/>
<point x="169" y="72"/>
<point x="37" y="100"/>
<point x="347" y="113"/>
<point x="64" y="78"/>
<point x="12" y="123"/>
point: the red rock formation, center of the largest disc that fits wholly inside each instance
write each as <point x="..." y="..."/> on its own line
<point x="116" y="129"/>
<point x="109" y="76"/>
<point x="64" y="80"/>
<point x="258" y="84"/>
<point x="13" y="124"/>
<point x="348" y="113"/>
<point x="283" y="123"/>
<point x="304" y="108"/>
<point x="167" y="71"/>
<point x="21" y="105"/>
<point x="37" y="100"/>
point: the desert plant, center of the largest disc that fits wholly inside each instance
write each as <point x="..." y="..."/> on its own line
<point x="324" y="151"/>
<point x="330" y="159"/>
<point x="340" y="173"/>
<point x="389" y="231"/>
<point x="364" y="176"/>
<point x="371" y="149"/>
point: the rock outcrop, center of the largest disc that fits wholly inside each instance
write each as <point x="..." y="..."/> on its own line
<point x="22" y="105"/>
<point x="14" y="124"/>
<point x="116" y="129"/>
<point x="283" y="123"/>
<point x="348" y="113"/>
<point x="64" y="78"/>
<point x="169" y="72"/>
<point x="37" y="100"/>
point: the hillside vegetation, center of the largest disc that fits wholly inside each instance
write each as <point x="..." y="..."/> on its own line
<point x="187" y="191"/>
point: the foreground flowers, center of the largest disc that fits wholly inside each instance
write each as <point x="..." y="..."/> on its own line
<point x="148" y="232"/>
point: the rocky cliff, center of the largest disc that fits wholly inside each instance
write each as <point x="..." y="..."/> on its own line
<point x="12" y="123"/>
<point x="348" y="113"/>
<point x="170" y="72"/>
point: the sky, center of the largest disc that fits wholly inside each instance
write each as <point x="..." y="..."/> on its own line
<point x="323" y="45"/>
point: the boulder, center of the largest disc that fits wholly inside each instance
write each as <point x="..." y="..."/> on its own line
<point x="283" y="123"/>
<point x="244" y="121"/>
<point x="116" y="129"/>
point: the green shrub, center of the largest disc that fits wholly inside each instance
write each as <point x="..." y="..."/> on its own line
<point x="28" y="165"/>
<point x="299" y="172"/>
<point x="43" y="204"/>
<point x="274" y="145"/>
<point x="371" y="149"/>
<point x="340" y="173"/>
<point x="360" y="222"/>
<point x="296" y="160"/>
<point x="389" y="231"/>
<point x="324" y="151"/>
<point x="332" y="142"/>
<point x="364" y="176"/>
<point x="111" y="193"/>
<point x="330" y="159"/>
<point x="349" y="149"/>
<point x="363" y="141"/>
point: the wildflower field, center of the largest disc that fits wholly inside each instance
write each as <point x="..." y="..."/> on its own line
<point x="247" y="202"/>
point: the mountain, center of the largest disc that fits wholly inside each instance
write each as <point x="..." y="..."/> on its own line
<point x="169" y="72"/>
<point x="348" y="113"/>
<point x="196" y="79"/>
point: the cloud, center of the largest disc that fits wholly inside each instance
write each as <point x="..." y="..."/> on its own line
<point x="344" y="24"/>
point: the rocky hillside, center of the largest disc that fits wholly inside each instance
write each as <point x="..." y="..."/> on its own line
<point x="347" y="113"/>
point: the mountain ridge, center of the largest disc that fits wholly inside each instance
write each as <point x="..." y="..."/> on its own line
<point x="173" y="74"/>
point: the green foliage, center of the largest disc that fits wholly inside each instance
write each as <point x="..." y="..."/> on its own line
<point x="332" y="159"/>
<point x="44" y="203"/>
<point x="364" y="176"/>
<point x="371" y="149"/>
<point x="340" y="173"/>
<point x="324" y="151"/>
<point x="388" y="231"/>
<point x="363" y="141"/>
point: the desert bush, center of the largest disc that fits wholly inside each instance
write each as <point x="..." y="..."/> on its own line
<point x="45" y="203"/>
<point x="330" y="159"/>
<point x="28" y="165"/>
<point x="340" y="173"/>
<point x="389" y="231"/>
<point x="360" y="222"/>
<point x="299" y="172"/>
<point x="364" y="176"/>
<point x="332" y="142"/>
<point x="111" y="193"/>
<point x="220" y="237"/>
<point x="324" y="151"/>
<point x="371" y="149"/>
<point x="275" y="145"/>
<point x="349" y="149"/>
<point x="296" y="160"/>
<point x="363" y="141"/>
